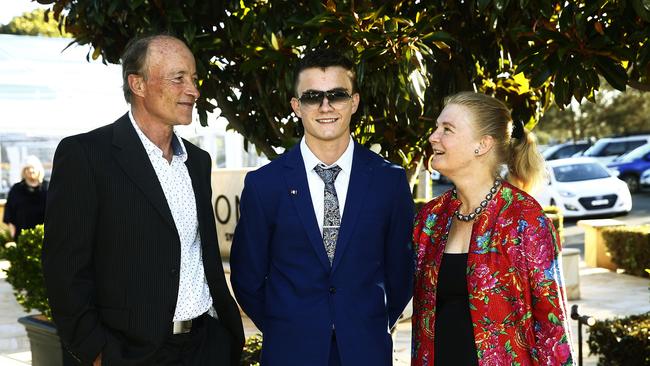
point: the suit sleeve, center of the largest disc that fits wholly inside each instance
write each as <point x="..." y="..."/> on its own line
<point x="8" y="217"/>
<point x="551" y="327"/>
<point x="249" y="256"/>
<point x="67" y="257"/>
<point x="399" y="251"/>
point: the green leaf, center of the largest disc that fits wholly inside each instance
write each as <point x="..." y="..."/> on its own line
<point x="561" y="91"/>
<point x="612" y="71"/>
<point x="642" y="8"/>
<point x="483" y="4"/>
<point x="553" y="319"/>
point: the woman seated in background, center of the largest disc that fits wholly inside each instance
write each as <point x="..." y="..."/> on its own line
<point x="25" y="207"/>
<point x="488" y="288"/>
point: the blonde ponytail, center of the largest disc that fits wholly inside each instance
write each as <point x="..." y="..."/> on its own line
<point x="525" y="163"/>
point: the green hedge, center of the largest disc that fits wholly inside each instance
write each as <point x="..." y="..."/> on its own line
<point x="419" y="202"/>
<point x="252" y="351"/>
<point x="4" y="239"/>
<point x="629" y="247"/>
<point x="621" y="342"/>
<point x="25" y="273"/>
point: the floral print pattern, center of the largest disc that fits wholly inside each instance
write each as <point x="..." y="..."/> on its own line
<point x="332" y="218"/>
<point x="517" y="303"/>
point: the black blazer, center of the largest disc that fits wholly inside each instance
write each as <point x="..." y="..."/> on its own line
<point x="111" y="254"/>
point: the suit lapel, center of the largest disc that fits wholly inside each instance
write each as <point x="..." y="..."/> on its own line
<point x="130" y="154"/>
<point x="298" y="190"/>
<point x="193" y="170"/>
<point x="356" y="195"/>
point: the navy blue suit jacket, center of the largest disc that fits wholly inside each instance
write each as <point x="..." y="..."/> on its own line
<point x="282" y="277"/>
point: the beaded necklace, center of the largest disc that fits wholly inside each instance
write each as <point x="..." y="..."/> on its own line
<point x="472" y="215"/>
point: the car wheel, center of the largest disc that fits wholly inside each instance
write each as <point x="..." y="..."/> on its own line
<point x="632" y="182"/>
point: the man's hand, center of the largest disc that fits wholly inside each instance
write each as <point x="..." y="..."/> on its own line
<point x="98" y="360"/>
<point x="12" y="229"/>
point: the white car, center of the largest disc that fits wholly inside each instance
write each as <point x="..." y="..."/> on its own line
<point x="608" y="148"/>
<point x="583" y="187"/>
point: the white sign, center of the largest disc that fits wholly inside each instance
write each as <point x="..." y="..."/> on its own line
<point x="227" y="185"/>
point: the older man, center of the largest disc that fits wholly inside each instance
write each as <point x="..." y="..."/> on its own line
<point x="131" y="259"/>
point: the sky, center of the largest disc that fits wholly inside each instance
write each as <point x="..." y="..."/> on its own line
<point x="12" y="8"/>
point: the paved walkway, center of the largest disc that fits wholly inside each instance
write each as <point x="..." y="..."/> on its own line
<point x="604" y="294"/>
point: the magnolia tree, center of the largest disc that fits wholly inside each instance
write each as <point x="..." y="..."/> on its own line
<point x="409" y="56"/>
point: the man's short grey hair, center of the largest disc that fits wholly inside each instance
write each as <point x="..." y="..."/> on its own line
<point x="134" y="59"/>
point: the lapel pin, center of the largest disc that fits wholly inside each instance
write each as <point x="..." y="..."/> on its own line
<point x="293" y="192"/>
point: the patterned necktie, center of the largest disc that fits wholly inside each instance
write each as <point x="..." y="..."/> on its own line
<point x="332" y="218"/>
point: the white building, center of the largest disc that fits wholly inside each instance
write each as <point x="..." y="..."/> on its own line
<point x="47" y="93"/>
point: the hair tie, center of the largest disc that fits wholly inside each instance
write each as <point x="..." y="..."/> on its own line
<point x="517" y="129"/>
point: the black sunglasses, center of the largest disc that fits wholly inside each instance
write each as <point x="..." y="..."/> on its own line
<point x="336" y="98"/>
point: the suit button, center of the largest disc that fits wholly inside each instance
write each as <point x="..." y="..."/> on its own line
<point x="332" y="290"/>
<point x="172" y="309"/>
<point x="173" y="272"/>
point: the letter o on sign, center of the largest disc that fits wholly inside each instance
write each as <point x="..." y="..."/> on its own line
<point x="222" y="217"/>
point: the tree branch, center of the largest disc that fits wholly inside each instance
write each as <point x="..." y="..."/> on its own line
<point x="240" y="126"/>
<point x="638" y="86"/>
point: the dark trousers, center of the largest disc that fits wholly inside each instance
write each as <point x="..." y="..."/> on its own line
<point x="205" y="344"/>
<point x="335" y="359"/>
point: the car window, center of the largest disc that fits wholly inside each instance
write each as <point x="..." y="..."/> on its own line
<point x="579" y="172"/>
<point x="565" y="152"/>
<point x="596" y="149"/>
<point x="614" y="148"/>
<point x="631" y="145"/>
<point x="638" y="153"/>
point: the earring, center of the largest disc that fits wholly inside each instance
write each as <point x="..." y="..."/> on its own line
<point x="476" y="152"/>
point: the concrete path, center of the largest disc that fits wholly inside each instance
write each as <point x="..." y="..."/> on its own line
<point x="604" y="294"/>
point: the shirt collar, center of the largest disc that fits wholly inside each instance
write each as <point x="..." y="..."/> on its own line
<point x="178" y="147"/>
<point x="344" y="161"/>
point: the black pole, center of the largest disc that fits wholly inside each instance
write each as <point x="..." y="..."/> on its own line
<point x="582" y="319"/>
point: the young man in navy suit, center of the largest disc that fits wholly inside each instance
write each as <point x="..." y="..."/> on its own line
<point x="321" y="259"/>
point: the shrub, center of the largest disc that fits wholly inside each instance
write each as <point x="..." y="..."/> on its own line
<point x="25" y="273"/>
<point x="629" y="247"/>
<point x="4" y="239"/>
<point x="419" y="202"/>
<point x="252" y="351"/>
<point x="621" y="342"/>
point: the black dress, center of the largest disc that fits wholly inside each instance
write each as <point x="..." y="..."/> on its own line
<point x="25" y="206"/>
<point x="454" y="338"/>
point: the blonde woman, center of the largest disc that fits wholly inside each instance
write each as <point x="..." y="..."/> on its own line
<point x="488" y="288"/>
<point x="25" y="206"/>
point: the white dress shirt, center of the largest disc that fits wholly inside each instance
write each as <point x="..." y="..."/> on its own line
<point x="316" y="184"/>
<point x="193" y="292"/>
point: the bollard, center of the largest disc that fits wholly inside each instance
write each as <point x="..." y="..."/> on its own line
<point x="582" y="319"/>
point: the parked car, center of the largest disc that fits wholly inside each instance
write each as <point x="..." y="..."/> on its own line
<point x="584" y="186"/>
<point x="645" y="179"/>
<point x="609" y="148"/>
<point x="565" y="150"/>
<point x="631" y="165"/>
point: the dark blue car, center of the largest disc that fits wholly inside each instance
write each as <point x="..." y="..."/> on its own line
<point x="631" y="165"/>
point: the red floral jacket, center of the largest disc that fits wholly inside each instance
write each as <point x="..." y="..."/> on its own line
<point x="517" y="303"/>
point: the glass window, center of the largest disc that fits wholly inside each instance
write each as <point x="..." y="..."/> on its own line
<point x="614" y="148"/>
<point x="220" y="157"/>
<point x="635" y="154"/>
<point x="579" y="172"/>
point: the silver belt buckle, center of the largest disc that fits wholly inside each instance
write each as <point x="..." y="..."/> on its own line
<point x="182" y="327"/>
